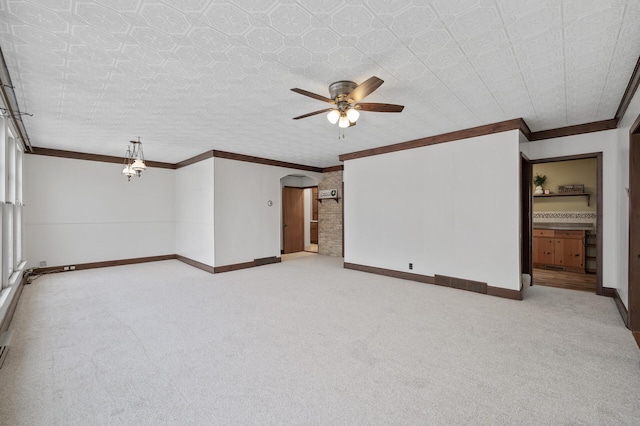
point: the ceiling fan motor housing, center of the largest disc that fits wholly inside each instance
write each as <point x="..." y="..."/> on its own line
<point x="341" y="89"/>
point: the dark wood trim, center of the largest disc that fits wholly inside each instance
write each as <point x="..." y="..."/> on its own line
<point x="256" y="262"/>
<point x="192" y="160"/>
<point x="6" y="321"/>
<point x="104" y="264"/>
<point x="390" y="273"/>
<point x="636" y="335"/>
<point x="566" y="158"/>
<point x="195" y="264"/>
<point x="613" y="292"/>
<point x="266" y="161"/>
<point x="599" y="227"/>
<point x="442" y="280"/>
<point x="505" y="293"/>
<point x="599" y="207"/>
<point x="596" y="126"/>
<point x="267" y="260"/>
<point x="503" y="126"/>
<point x="49" y="152"/>
<point x="630" y="91"/>
<point x="461" y="284"/>
<point x="234" y="267"/>
<point x="333" y="169"/>
<point x="526" y="215"/>
<point x="635" y="127"/>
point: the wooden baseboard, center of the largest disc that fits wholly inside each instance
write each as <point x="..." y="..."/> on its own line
<point x="391" y="273"/>
<point x="442" y="280"/>
<point x="195" y="264"/>
<point x="613" y="292"/>
<point x="104" y="264"/>
<point x="255" y="262"/>
<point x="6" y="321"/>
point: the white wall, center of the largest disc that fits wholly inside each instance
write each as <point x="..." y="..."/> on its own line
<point x="81" y="211"/>
<point x="246" y="227"/>
<point x="194" y="212"/>
<point x="450" y="209"/>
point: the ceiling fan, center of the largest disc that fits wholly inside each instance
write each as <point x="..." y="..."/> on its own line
<point x="346" y="97"/>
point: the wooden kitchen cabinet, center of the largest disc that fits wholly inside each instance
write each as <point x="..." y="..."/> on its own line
<point x="558" y="248"/>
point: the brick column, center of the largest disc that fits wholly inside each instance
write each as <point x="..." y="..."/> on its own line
<point x="330" y="231"/>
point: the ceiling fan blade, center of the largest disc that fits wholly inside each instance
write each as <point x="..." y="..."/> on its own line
<point x="365" y="89"/>
<point x="380" y="107"/>
<point x="313" y="95"/>
<point x="312" y="113"/>
<point x="352" y="123"/>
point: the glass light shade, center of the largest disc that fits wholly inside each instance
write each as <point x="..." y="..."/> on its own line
<point x="128" y="171"/>
<point x="333" y="116"/>
<point x="343" y="122"/>
<point x="353" y="114"/>
<point x="138" y="165"/>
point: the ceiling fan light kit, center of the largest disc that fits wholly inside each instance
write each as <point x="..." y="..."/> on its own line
<point x="346" y="96"/>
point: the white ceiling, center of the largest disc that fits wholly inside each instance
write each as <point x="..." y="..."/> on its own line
<point x="189" y="76"/>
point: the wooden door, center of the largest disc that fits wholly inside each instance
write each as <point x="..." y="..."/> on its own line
<point x="314" y="203"/>
<point x="292" y="219"/>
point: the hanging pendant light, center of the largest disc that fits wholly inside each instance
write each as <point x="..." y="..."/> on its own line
<point x="134" y="160"/>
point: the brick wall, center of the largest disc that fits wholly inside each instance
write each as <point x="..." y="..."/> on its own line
<point x="330" y="217"/>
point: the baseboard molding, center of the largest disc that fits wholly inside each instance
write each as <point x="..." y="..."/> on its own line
<point x="191" y="262"/>
<point x="256" y="262"/>
<point x="195" y="263"/>
<point x="391" y="273"/>
<point x="613" y="292"/>
<point x="6" y="321"/>
<point x="104" y="264"/>
<point x="441" y="280"/>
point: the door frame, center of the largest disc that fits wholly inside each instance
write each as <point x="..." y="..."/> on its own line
<point x="526" y="216"/>
<point x="633" y="280"/>
<point x="599" y="198"/>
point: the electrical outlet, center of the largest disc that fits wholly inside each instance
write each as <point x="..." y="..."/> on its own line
<point x="72" y="267"/>
<point x="43" y="263"/>
<point x="410" y="265"/>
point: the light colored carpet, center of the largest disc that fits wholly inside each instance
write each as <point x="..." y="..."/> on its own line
<point x="308" y="342"/>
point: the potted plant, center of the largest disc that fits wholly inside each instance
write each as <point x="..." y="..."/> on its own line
<point x="538" y="181"/>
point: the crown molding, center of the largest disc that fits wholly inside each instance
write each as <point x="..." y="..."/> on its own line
<point x="487" y="129"/>
<point x="49" y="152"/>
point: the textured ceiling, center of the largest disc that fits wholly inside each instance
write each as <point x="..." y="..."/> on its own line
<point x="189" y="76"/>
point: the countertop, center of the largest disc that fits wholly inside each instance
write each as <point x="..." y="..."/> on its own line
<point x="564" y="226"/>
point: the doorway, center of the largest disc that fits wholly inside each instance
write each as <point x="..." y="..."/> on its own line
<point x="292" y="219"/>
<point x="566" y="242"/>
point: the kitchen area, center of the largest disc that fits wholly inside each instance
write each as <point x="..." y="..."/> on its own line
<point x="565" y="214"/>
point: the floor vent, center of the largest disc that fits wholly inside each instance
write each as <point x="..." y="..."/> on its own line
<point x="3" y="354"/>
<point x="4" y="345"/>
<point x="554" y="267"/>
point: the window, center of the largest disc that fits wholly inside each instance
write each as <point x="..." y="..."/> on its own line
<point x="11" y="210"/>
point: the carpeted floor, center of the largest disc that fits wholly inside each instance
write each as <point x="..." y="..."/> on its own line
<point x="308" y="342"/>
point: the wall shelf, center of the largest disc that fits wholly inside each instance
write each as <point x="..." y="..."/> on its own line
<point x="573" y="194"/>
